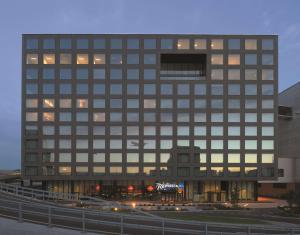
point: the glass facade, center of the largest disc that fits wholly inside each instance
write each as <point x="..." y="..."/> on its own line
<point x="123" y="106"/>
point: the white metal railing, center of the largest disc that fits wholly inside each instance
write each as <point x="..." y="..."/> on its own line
<point x="94" y="221"/>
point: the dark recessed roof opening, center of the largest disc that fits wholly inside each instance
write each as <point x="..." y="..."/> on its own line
<point x="182" y="58"/>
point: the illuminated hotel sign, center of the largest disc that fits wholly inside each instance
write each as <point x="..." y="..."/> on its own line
<point x="168" y="187"/>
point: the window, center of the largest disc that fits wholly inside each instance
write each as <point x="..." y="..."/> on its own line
<point x="217" y="59"/>
<point x="133" y="44"/>
<point x="267" y="89"/>
<point x="149" y="43"/>
<point x="82" y="43"/>
<point x="99" y="73"/>
<point x="31" y="103"/>
<point x="116" y="58"/>
<point x="149" y="74"/>
<point x="250" y="59"/>
<point x="234" y="74"/>
<point x="250" y="131"/>
<point x="250" y="74"/>
<point x="65" y="43"/>
<point x="98" y="144"/>
<point x="217" y="117"/>
<point x="233" y="59"/>
<point x="267" y="158"/>
<point x="48" y="89"/>
<point x="267" y="131"/>
<point x="99" y="43"/>
<point x="234" y="144"/>
<point x="82" y="89"/>
<point x="82" y="103"/>
<point x="200" y="44"/>
<point x="31" y="44"/>
<point x="31" y="73"/>
<point x="48" y="103"/>
<point x="250" y="89"/>
<point x="234" y="104"/>
<point x="233" y="89"/>
<point x="183" y="44"/>
<point x="99" y="170"/>
<point x="250" y="44"/>
<point x="166" y="89"/>
<point x="217" y="171"/>
<point x="82" y="157"/>
<point x="116" y="44"/>
<point x="115" y="103"/>
<point x="216" y="131"/>
<point x="234" y="158"/>
<point x="251" y="171"/>
<point x="149" y="58"/>
<point x="116" y="89"/>
<point x="115" y="157"/>
<point x="82" y="58"/>
<point x="132" y="170"/>
<point x="233" y="117"/>
<point x="149" y="158"/>
<point x="65" y="89"/>
<point x="267" y="104"/>
<point x="116" y="144"/>
<point x="217" y="74"/>
<point x="267" y="44"/>
<point x="234" y="44"/>
<point x="48" y="73"/>
<point x="267" y="117"/>
<point x="250" y="144"/>
<point x="97" y="103"/>
<point x="32" y="59"/>
<point x="82" y="116"/>
<point x="250" y="158"/>
<point x="49" y="43"/>
<point x="199" y="89"/>
<point x="166" y="44"/>
<point x="216" y="144"/>
<point x="149" y="103"/>
<point x="99" y="59"/>
<point x="65" y="58"/>
<point x="49" y="59"/>
<point x="217" y="89"/>
<point x="99" y="157"/>
<point x="267" y="74"/>
<point x="133" y="59"/>
<point x="250" y="117"/>
<point x="267" y="144"/>
<point x="64" y="157"/>
<point x="149" y="89"/>
<point x="267" y="59"/>
<point x="132" y="89"/>
<point x="82" y="73"/>
<point x="99" y="89"/>
<point x="115" y="170"/>
<point x="183" y="89"/>
<point x="133" y="74"/>
<point x="65" y="117"/>
<point x="31" y="117"/>
<point x="99" y="117"/>
<point x="234" y="131"/>
<point x="216" y="44"/>
<point x="250" y="104"/>
<point x="65" y="74"/>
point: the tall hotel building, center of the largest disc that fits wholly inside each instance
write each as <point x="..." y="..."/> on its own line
<point x="116" y="114"/>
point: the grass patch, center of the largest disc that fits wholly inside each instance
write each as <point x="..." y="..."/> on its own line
<point x="210" y="218"/>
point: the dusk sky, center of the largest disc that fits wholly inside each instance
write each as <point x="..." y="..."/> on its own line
<point x="133" y="16"/>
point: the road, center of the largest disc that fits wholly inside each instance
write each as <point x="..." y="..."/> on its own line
<point x="110" y="222"/>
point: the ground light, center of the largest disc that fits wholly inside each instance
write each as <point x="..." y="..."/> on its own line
<point x="116" y="209"/>
<point x="133" y="205"/>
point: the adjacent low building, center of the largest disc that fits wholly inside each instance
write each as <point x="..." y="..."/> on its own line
<point x="288" y="144"/>
<point x="125" y="115"/>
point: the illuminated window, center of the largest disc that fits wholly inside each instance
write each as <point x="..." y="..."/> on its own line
<point x="115" y="170"/>
<point x="217" y="59"/>
<point x="82" y="58"/>
<point x="31" y="116"/>
<point x="48" y="103"/>
<point x="216" y="171"/>
<point x="216" y="44"/>
<point x="250" y="44"/>
<point x="233" y="59"/>
<point x="267" y="158"/>
<point x="251" y="171"/>
<point x="82" y="103"/>
<point x="99" y="117"/>
<point x="234" y="158"/>
<point x="31" y="103"/>
<point x="99" y="59"/>
<point x="149" y="170"/>
<point x="183" y="44"/>
<point x="49" y="59"/>
<point x="99" y="170"/>
<point x="65" y="103"/>
<point x="65" y="58"/>
<point x="216" y="158"/>
<point x="149" y="103"/>
<point x="200" y="44"/>
<point x="64" y="170"/>
<point x="250" y="158"/>
<point x="48" y="117"/>
<point x="32" y="59"/>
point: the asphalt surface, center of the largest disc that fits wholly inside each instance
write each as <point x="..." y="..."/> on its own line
<point x="110" y="223"/>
